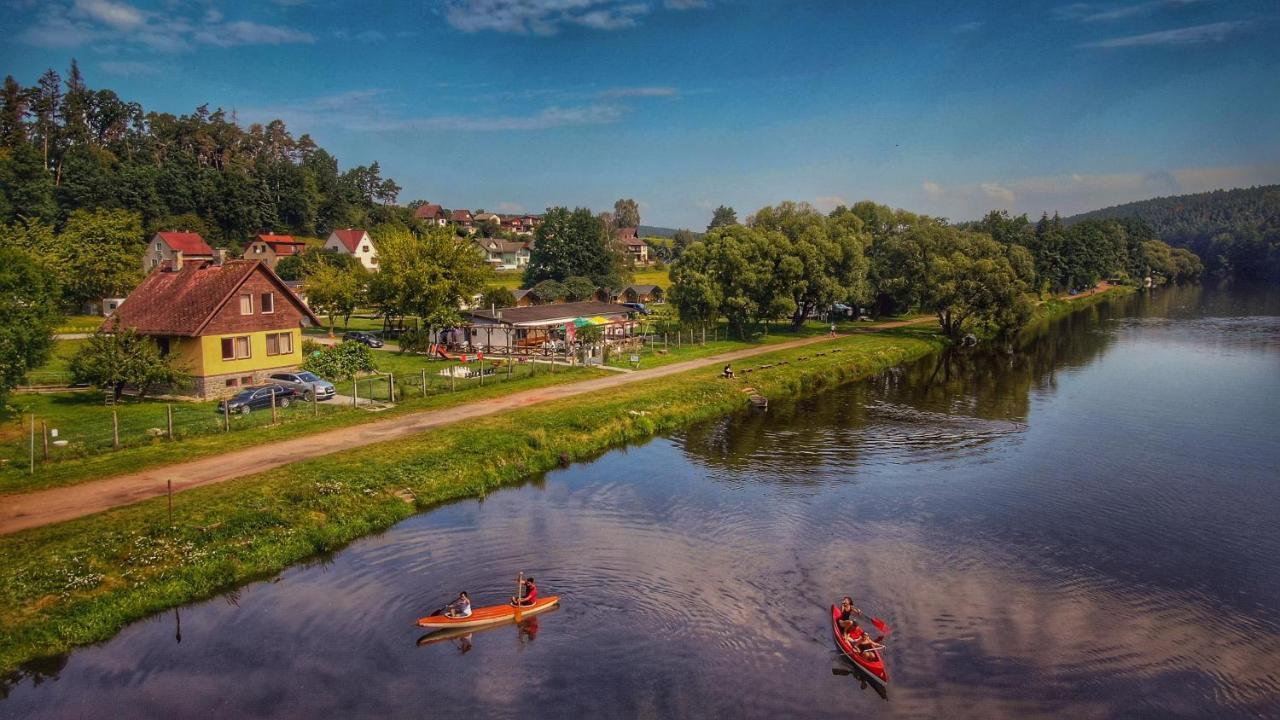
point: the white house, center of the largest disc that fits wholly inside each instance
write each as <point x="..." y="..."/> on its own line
<point x="354" y="242"/>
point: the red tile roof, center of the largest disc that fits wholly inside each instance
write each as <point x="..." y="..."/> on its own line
<point x="282" y="244"/>
<point x="188" y="243"/>
<point x="461" y="216"/>
<point x="183" y="302"/>
<point x="350" y="238"/>
<point x="627" y="236"/>
<point x="429" y="210"/>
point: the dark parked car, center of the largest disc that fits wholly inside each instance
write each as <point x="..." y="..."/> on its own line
<point x="362" y="337"/>
<point x="257" y="398"/>
<point x="305" y="384"/>
<point x="637" y="307"/>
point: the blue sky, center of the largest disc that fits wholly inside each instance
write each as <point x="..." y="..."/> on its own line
<point x="946" y="108"/>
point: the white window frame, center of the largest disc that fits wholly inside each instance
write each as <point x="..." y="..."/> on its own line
<point x="272" y="303"/>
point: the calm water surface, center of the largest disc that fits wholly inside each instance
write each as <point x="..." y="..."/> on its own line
<point x="1088" y="528"/>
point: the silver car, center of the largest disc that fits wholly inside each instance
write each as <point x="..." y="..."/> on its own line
<point x="305" y="384"/>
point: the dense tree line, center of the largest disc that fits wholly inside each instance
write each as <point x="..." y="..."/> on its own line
<point x="65" y="147"/>
<point x="793" y="261"/>
<point x="1235" y="232"/>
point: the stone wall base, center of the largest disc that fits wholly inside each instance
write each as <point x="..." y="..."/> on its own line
<point x="216" y="387"/>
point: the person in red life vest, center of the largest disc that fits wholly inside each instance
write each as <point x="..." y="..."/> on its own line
<point x="528" y="593"/>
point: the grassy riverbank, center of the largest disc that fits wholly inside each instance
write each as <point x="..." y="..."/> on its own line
<point x="81" y="581"/>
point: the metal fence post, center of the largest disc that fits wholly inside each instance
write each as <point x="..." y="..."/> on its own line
<point x="355" y="391"/>
<point x="226" y="415"/>
<point x="44" y="432"/>
<point x="315" y="403"/>
<point x="273" y="406"/>
<point x="115" y="428"/>
<point x="424" y="382"/>
<point x="33" y="444"/>
<point x="168" y="413"/>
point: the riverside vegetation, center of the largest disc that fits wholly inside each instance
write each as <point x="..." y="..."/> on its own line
<point x="81" y="581"/>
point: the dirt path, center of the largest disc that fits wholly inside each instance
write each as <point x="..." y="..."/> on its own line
<point x="44" y="507"/>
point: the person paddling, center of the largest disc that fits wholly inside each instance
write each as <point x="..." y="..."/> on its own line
<point x="845" y="622"/>
<point x="528" y="593"/>
<point x="459" y="608"/>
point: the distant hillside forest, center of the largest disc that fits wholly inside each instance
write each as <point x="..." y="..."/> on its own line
<point x="1235" y="232"/>
<point x="66" y="147"/>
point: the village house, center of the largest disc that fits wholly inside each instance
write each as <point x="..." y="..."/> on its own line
<point x="356" y="243"/>
<point x="166" y="247"/>
<point x="432" y="214"/>
<point x="524" y="298"/>
<point x="635" y="250"/>
<point x="463" y="219"/>
<point x="503" y="254"/>
<point x="641" y="294"/>
<point x="270" y="248"/>
<point x="228" y="325"/>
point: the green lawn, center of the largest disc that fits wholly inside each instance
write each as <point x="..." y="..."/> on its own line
<point x="366" y="322"/>
<point x="511" y="279"/>
<point x="79" y="324"/>
<point x="57" y="369"/>
<point x="84" y="419"/>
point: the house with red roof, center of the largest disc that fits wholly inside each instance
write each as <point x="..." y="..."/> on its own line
<point x="356" y="243"/>
<point x="227" y="324"/>
<point x="432" y="214"/>
<point x="463" y="218"/>
<point x="633" y="248"/>
<point x="270" y="248"/>
<point x="175" y="248"/>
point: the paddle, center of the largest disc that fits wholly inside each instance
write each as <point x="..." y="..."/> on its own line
<point x="519" y="594"/>
<point x="880" y="625"/>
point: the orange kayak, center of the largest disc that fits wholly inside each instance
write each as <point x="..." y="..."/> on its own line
<point x="490" y="615"/>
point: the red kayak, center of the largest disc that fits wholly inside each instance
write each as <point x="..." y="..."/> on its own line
<point x="491" y="615"/>
<point x="872" y="663"/>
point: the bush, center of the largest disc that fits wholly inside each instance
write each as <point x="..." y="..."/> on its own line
<point x="341" y="361"/>
<point x="415" y="340"/>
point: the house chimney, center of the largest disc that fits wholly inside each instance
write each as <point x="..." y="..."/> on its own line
<point x="219" y="256"/>
<point x="177" y="260"/>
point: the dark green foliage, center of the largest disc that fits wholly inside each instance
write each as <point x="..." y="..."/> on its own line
<point x="342" y="361"/>
<point x="549" y="291"/>
<point x="123" y="358"/>
<point x="722" y="216"/>
<point x="578" y="288"/>
<point x="28" y="315"/>
<point x="496" y="296"/>
<point x="66" y="147"/>
<point x="1235" y="232"/>
<point x="569" y="243"/>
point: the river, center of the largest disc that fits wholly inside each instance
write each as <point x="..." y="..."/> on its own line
<point x="1088" y="527"/>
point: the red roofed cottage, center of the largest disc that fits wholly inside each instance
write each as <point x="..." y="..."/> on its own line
<point x="354" y="242"/>
<point x="175" y="248"/>
<point x="228" y="325"/>
<point x="270" y="248"/>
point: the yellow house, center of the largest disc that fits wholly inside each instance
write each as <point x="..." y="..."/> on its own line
<point x="228" y="325"/>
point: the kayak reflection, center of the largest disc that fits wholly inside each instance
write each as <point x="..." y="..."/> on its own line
<point x="864" y="678"/>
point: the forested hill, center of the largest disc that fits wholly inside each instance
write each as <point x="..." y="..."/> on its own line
<point x="65" y="146"/>
<point x="1233" y="231"/>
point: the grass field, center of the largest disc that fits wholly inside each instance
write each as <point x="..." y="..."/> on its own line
<point x="79" y="324"/>
<point x="81" y="581"/>
<point x="84" y="420"/>
<point x="511" y="279"/>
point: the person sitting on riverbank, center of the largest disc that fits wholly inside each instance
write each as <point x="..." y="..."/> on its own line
<point x="528" y="593"/>
<point x="459" y="608"/>
<point x="728" y="372"/>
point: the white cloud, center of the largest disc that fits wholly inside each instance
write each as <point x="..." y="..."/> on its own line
<point x="374" y="114"/>
<point x="542" y="17"/>
<point x="1090" y="12"/>
<point x="1195" y="35"/>
<point x="967" y="27"/>
<point x="652" y="91"/>
<point x="685" y="4"/>
<point x="1078" y="192"/>
<point x="998" y="192"/>
<point x="509" y="207"/>
<point x="117" y="15"/>
<point x="101" y="22"/>
<point x="827" y="203"/>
